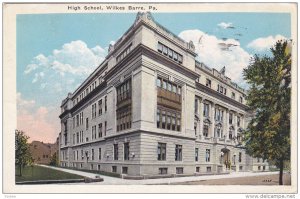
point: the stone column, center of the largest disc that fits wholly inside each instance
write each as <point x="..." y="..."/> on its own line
<point x="212" y="118"/>
<point x="201" y="117"/>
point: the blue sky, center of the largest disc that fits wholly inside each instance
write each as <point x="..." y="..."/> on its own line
<point x="56" y="52"/>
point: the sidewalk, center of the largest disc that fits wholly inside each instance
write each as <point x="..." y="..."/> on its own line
<point x="118" y="181"/>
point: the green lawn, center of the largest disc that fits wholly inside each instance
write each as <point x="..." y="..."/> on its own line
<point x="31" y="173"/>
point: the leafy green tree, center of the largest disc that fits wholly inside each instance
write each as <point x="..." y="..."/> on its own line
<point x="54" y="160"/>
<point x="23" y="155"/>
<point x="269" y="97"/>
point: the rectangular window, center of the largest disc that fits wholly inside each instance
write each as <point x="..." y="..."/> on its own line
<point x="208" y="83"/>
<point x="208" y="169"/>
<point x="196" y="154"/>
<point x="100" y="130"/>
<point x="240" y="156"/>
<point x="93" y="155"/>
<point x="238" y="121"/>
<point x="196" y="106"/>
<point x="161" y="151"/>
<point x="99" y="154"/>
<point x="100" y="107"/>
<point x="197" y="169"/>
<point x="77" y="120"/>
<point x="105" y="126"/>
<point x="114" y="169"/>
<point x="99" y="167"/>
<point x="165" y="50"/>
<point x="158" y="119"/>
<point x="206" y="110"/>
<point x="230" y="118"/>
<point x="179" y="170"/>
<point x="178" y="122"/>
<point x="124" y="170"/>
<point x="232" y="95"/>
<point x="87" y="123"/>
<point x="160" y="47"/>
<point x="126" y="151"/>
<point x="178" y="153"/>
<point x="158" y="82"/>
<point x="163" y="171"/>
<point x="116" y="152"/>
<point x="207" y="155"/>
<point x="205" y="130"/>
<point x="105" y="103"/>
<point x="241" y="99"/>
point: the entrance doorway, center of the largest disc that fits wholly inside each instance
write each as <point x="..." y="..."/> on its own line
<point x="226" y="158"/>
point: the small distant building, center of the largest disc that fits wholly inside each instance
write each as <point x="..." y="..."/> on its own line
<point x="42" y="152"/>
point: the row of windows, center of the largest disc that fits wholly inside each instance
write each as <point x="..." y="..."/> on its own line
<point x="78" y="119"/>
<point x="170" y="120"/>
<point x="124" y="91"/>
<point x="169" y="52"/>
<point x="124" y="118"/>
<point x="79" y="137"/>
<point x="167" y="85"/>
<point x="89" y="89"/>
<point x="126" y="151"/>
<point x="124" y="53"/>
<point x="222" y="90"/>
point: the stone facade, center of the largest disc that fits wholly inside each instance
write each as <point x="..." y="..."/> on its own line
<point x="151" y="109"/>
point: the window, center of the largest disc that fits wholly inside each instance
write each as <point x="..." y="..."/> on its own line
<point x="169" y="53"/>
<point x="258" y="168"/>
<point x="178" y="153"/>
<point x="94" y="110"/>
<point x="196" y="154"/>
<point x="161" y="151"/>
<point x="87" y="123"/>
<point x="105" y="126"/>
<point x="124" y="53"/>
<point x="258" y="160"/>
<point x="124" y="118"/>
<point x="238" y="121"/>
<point x="230" y="118"/>
<point x="179" y="170"/>
<point x="77" y="138"/>
<point x="207" y="155"/>
<point x="208" y="169"/>
<point x="208" y="83"/>
<point x="240" y="156"/>
<point x="126" y="151"/>
<point x="124" y="170"/>
<point x="241" y="168"/>
<point x="124" y="106"/>
<point x="241" y="99"/>
<point x="158" y="119"/>
<point x="77" y="120"/>
<point x="100" y="130"/>
<point x="197" y="169"/>
<point x="93" y="154"/>
<point x="158" y="82"/>
<point x="232" y="95"/>
<point x="206" y="110"/>
<point x="105" y="103"/>
<point x="114" y="169"/>
<point x="100" y="107"/>
<point x="205" y="130"/>
<point x="163" y="171"/>
<point x="99" y="167"/>
<point x="99" y="154"/>
<point x="81" y="154"/>
<point x="116" y="154"/>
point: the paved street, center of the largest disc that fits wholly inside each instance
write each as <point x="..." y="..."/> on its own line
<point x="178" y="180"/>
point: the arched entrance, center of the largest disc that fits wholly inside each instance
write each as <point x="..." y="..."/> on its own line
<point x="226" y="157"/>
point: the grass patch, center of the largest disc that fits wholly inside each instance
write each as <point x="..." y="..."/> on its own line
<point x="116" y="175"/>
<point x="32" y="173"/>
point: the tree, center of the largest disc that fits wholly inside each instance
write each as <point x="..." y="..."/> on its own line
<point x="23" y="155"/>
<point x="54" y="160"/>
<point x="269" y="98"/>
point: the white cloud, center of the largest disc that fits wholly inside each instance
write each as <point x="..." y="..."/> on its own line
<point x="225" y="25"/>
<point x="210" y="53"/>
<point x="265" y="43"/>
<point x="74" y="57"/>
<point x="22" y="103"/>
